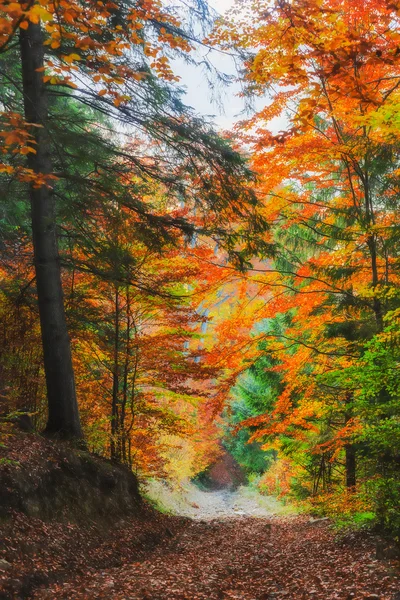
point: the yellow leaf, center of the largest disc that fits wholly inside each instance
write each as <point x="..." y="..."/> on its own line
<point x="6" y="168"/>
<point x="38" y="13"/>
<point x="71" y="57"/>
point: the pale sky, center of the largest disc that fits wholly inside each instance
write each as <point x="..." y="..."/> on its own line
<point x="221" y="5"/>
<point x="227" y="106"/>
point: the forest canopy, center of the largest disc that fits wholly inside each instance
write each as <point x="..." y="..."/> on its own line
<point x="167" y="287"/>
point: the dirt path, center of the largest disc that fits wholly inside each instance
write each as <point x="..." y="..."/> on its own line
<point x="235" y="545"/>
<point x="243" y="558"/>
<point x="229" y="504"/>
<point x="226" y="504"/>
<point x="190" y="501"/>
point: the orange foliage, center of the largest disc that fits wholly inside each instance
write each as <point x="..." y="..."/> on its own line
<point x="329" y="186"/>
<point x="278" y="479"/>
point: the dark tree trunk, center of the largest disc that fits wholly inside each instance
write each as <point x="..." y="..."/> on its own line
<point x="115" y="416"/>
<point x="350" y="451"/>
<point x="350" y="466"/>
<point x="124" y="403"/>
<point x="377" y="304"/>
<point x="63" y="419"/>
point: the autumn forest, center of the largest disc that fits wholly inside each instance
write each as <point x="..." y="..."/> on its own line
<point x="196" y="309"/>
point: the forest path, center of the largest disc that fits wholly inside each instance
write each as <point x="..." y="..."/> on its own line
<point x="191" y="501"/>
<point x="243" y="558"/>
<point x="228" y="504"/>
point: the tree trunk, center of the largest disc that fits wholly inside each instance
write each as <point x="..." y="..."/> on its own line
<point x="124" y="403"/>
<point x="377" y="304"/>
<point x="115" y="416"/>
<point x="350" y="451"/>
<point x="350" y="466"/>
<point x="63" y="418"/>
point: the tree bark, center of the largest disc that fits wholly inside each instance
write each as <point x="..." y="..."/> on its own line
<point x="377" y="304"/>
<point x="350" y="451"/>
<point x="63" y="417"/>
<point x="124" y="403"/>
<point x="115" y="416"/>
<point x="350" y="466"/>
